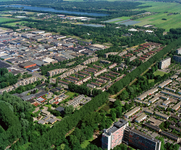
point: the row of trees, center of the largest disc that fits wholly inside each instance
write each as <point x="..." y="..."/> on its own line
<point x="116" y="87"/>
<point x="83" y="89"/>
<point x="57" y="133"/>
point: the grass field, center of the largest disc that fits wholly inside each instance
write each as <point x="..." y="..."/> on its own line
<point x="86" y="143"/>
<point x="173" y="21"/>
<point x="2" y="19"/>
<point x="70" y="94"/>
<point x="161" y="7"/>
<point x="14" y="23"/>
<point x="159" y="73"/>
<point x="115" y="20"/>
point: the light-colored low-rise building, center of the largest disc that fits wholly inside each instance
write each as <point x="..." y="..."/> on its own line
<point x="163" y="107"/>
<point x="132" y="112"/>
<point x="171" y="94"/>
<point x="141" y="118"/>
<point x="165" y="103"/>
<point x="169" y="89"/>
<point x="165" y="83"/>
<point x="176" y="107"/>
<point x="161" y="115"/>
<point x="154" y="99"/>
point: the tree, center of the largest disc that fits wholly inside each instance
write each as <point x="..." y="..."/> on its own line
<point x="69" y="109"/>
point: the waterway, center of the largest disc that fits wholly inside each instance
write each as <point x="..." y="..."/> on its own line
<point x="44" y="9"/>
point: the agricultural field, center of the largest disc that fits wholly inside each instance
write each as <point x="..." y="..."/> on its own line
<point x="164" y="10"/>
<point x="161" y="7"/>
<point x="6" y="19"/>
<point x="164" y="17"/>
<point x="162" y="20"/>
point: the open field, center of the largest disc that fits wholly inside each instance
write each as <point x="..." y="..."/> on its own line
<point x="161" y="7"/>
<point x="14" y="23"/>
<point x="116" y="20"/>
<point x="172" y="21"/>
<point x="6" y="19"/>
<point x="159" y="73"/>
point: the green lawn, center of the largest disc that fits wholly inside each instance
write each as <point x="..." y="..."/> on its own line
<point x="70" y="94"/>
<point x="86" y="143"/>
<point x="25" y="146"/>
<point x="151" y="80"/>
<point x="2" y="19"/>
<point x="159" y="73"/>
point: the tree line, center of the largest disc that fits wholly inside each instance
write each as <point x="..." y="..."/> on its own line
<point x="116" y="87"/>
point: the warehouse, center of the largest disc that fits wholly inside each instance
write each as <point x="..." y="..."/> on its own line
<point x="132" y="112"/>
<point x="27" y="64"/>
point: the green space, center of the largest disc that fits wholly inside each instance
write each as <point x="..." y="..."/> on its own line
<point x="164" y="10"/>
<point x="159" y="73"/>
<point x="6" y="19"/>
<point x="116" y="20"/>
<point x="161" y="7"/>
<point x="86" y="143"/>
<point x="70" y="94"/>
<point x="14" y="23"/>
<point x="25" y="146"/>
<point x="151" y="80"/>
<point x="171" y="21"/>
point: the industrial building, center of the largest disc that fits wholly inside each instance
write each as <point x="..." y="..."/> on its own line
<point x="165" y="63"/>
<point x="27" y="64"/>
<point x="113" y="136"/>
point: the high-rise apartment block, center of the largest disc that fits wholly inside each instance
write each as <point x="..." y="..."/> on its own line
<point x="121" y="132"/>
<point x="165" y="63"/>
<point x="113" y="136"/>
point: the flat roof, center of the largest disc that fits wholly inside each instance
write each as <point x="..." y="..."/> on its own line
<point x="28" y="63"/>
<point x="132" y="111"/>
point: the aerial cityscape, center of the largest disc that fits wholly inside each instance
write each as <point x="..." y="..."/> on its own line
<point x="90" y="75"/>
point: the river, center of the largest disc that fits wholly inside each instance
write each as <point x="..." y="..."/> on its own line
<point x="32" y="8"/>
